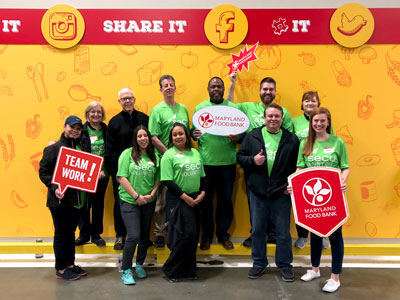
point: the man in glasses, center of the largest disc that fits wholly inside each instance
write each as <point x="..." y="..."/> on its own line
<point x="119" y="137"/>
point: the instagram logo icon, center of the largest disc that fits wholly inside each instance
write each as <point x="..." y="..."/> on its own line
<point x="62" y="26"/>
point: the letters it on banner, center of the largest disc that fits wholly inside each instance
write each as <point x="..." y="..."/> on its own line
<point x="319" y="204"/>
<point x="77" y="169"/>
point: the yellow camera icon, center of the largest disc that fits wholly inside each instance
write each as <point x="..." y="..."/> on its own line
<point x="63" y="26"/>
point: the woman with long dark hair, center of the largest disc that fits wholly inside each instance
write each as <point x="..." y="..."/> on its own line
<point x="138" y="175"/>
<point x="182" y="172"/>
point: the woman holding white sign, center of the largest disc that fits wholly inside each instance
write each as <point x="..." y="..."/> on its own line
<point x="64" y="208"/>
<point x="138" y="175"/>
<point x="182" y="172"/>
<point x="323" y="149"/>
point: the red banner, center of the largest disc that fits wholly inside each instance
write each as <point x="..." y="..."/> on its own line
<point x="186" y="26"/>
<point x="77" y="169"/>
<point x="318" y="202"/>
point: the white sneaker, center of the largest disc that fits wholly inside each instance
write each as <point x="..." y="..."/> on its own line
<point x="310" y="275"/>
<point x="331" y="286"/>
<point x="325" y="243"/>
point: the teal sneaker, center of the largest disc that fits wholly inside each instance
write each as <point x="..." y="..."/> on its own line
<point x="127" y="277"/>
<point x="141" y="273"/>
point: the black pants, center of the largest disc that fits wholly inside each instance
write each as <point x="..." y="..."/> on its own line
<point x="96" y="205"/>
<point x="301" y="232"/>
<point x="221" y="180"/>
<point x="65" y="220"/>
<point x="137" y="219"/>
<point x="119" y="225"/>
<point x="182" y="261"/>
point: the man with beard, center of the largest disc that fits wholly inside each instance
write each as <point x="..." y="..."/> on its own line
<point x="219" y="158"/>
<point x="162" y="117"/>
<point x="119" y="137"/>
<point x="255" y="112"/>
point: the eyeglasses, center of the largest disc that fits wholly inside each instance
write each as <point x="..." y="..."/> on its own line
<point x="126" y="99"/>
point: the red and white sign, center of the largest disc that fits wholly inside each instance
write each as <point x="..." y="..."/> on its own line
<point x="220" y="120"/>
<point x="77" y="169"/>
<point x="242" y="60"/>
<point x="186" y="26"/>
<point x="319" y="204"/>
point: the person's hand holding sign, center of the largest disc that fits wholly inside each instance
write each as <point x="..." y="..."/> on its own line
<point x="58" y="193"/>
<point x="234" y="138"/>
<point x="197" y="133"/>
<point x="259" y="158"/>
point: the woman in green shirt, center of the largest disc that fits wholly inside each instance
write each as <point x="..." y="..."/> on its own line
<point x="95" y="130"/>
<point x="182" y="172"/>
<point x="309" y="102"/>
<point x="138" y="175"/>
<point x="323" y="149"/>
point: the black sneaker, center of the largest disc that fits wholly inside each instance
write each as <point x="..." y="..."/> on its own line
<point x="159" y="242"/>
<point x="119" y="243"/>
<point x="67" y="275"/>
<point x="287" y="275"/>
<point x="99" y="242"/>
<point x="78" y="270"/>
<point x="255" y="272"/>
<point x="247" y="242"/>
<point x="81" y="241"/>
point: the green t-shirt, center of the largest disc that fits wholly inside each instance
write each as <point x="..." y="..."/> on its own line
<point x="82" y="194"/>
<point x="163" y="116"/>
<point x="214" y="149"/>
<point x="329" y="153"/>
<point x="301" y="126"/>
<point x="271" y="142"/>
<point x="97" y="143"/>
<point x="255" y="112"/>
<point x="183" y="168"/>
<point x="141" y="177"/>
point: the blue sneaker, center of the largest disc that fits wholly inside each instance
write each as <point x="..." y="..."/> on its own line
<point x="127" y="277"/>
<point x="141" y="273"/>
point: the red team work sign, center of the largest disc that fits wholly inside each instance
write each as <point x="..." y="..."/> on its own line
<point x="77" y="169"/>
<point x="318" y="202"/>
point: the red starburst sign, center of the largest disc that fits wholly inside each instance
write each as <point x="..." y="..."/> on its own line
<point x="242" y="60"/>
<point x="319" y="204"/>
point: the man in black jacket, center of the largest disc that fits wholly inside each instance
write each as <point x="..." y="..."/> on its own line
<point x="119" y="137"/>
<point x="268" y="156"/>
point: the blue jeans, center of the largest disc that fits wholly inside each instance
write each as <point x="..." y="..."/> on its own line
<point x="278" y="209"/>
<point x="221" y="180"/>
<point x="337" y="248"/>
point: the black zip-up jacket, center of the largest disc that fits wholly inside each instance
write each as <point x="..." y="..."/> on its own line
<point x="257" y="179"/>
<point x="119" y="136"/>
<point x="46" y="170"/>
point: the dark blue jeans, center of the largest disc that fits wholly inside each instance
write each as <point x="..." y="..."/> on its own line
<point x="278" y="209"/>
<point x="221" y="180"/>
<point x="119" y="225"/>
<point x="337" y="248"/>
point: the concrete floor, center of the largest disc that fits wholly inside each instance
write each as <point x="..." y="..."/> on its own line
<point x="213" y="283"/>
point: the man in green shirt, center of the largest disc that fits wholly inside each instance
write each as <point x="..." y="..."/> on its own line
<point x="219" y="158"/>
<point x="255" y="112"/>
<point x="162" y="117"/>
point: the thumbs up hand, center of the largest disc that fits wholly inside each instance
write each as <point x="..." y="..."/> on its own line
<point x="259" y="158"/>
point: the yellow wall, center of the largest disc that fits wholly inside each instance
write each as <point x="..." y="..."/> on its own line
<point x="344" y="79"/>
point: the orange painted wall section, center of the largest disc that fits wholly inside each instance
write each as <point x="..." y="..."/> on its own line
<point x="41" y="85"/>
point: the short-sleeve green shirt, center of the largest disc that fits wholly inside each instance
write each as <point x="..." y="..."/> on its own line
<point x="97" y="143"/>
<point x="329" y="153"/>
<point x="255" y="112"/>
<point x="183" y="168"/>
<point x="214" y="149"/>
<point x="301" y="126"/>
<point x="141" y="177"/>
<point x="163" y="116"/>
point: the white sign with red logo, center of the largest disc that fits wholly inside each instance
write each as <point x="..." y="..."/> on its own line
<point x="319" y="204"/>
<point x="220" y="120"/>
<point x="77" y="169"/>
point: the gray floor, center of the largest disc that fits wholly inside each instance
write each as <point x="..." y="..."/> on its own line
<point x="213" y="283"/>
